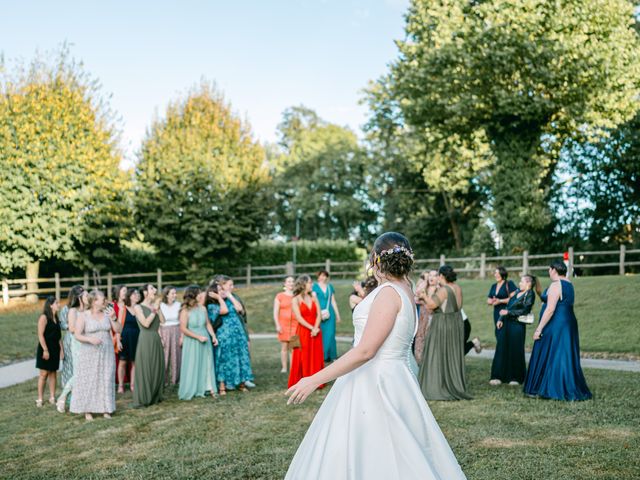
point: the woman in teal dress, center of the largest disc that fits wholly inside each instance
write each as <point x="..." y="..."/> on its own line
<point x="197" y="373"/>
<point x="233" y="362"/>
<point x="149" y="359"/>
<point x="330" y="315"/>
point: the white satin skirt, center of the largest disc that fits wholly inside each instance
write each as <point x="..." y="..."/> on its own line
<point x="375" y="424"/>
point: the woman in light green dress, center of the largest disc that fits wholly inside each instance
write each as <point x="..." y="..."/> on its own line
<point x="149" y="360"/>
<point x="442" y="375"/>
<point x="197" y="373"/>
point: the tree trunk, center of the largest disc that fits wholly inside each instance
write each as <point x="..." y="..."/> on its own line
<point x="455" y="229"/>
<point x="33" y="270"/>
<point x="520" y="195"/>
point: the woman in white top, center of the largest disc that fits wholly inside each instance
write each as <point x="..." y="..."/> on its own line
<point x="375" y="423"/>
<point x="170" y="334"/>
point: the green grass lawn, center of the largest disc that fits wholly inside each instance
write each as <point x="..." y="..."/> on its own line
<point x="607" y="308"/>
<point x="500" y="435"/>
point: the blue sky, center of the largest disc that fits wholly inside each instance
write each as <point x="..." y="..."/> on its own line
<point x="265" y="55"/>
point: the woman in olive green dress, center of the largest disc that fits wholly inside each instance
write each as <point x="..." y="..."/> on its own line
<point x="441" y="374"/>
<point x="149" y="353"/>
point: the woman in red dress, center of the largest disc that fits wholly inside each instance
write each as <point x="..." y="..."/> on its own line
<point x="308" y="358"/>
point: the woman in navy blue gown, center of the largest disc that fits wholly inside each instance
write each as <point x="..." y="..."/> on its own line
<point x="554" y="367"/>
<point x="508" y="364"/>
<point x="499" y="295"/>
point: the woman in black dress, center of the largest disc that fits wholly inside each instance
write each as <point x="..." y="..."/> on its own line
<point x="508" y="362"/>
<point x="49" y="351"/>
<point x="127" y="341"/>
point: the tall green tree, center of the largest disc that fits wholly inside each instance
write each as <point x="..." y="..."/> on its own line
<point x="600" y="194"/>
<point x="200" y="191"/>
<point x="62" y="194"/>
<point x="524" y="74"/>
<point x="321" y="177"/>
<point x="430" y="186"/>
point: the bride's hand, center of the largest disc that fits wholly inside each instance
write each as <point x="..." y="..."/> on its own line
<point x="301" y="390"/>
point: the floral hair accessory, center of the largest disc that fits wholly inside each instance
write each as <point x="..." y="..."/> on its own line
<point x="397" y="249"/>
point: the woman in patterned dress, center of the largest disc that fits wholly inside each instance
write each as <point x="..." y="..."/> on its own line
<point x="94" y="389"/>
<point x="284" y="320"/>
<point x="233" y="362"/>
<point x="78" y="298"/>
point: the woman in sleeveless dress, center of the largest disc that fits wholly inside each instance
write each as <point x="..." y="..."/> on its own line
<point x="49" y="350"/>
<point x="285" y="322"/>
<point x="94" y="388"/>
<point x="554" y="367"/>
<point x="442" y="375"/>
<point x="326" y="296"/>
<point x="375" y="423"/>
<point x="425" y="313"/>
<point x="308" y="358"/>
<point x="149" y="358"/>
<point x="128" y="340"/>
<point x="197" y="373"/>
<point x="78" y="298"/>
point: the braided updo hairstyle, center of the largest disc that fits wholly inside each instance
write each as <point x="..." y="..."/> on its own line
<point x="392" y="255"/>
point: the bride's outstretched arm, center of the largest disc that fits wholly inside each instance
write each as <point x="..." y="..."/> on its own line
<point x="382" y="316"/>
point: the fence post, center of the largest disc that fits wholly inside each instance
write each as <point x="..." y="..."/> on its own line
<point x="327" y="265"/>
<point x="570" y="266"/>
<point x="57" y="280"/>
<point x="525" y="262"/>
<point x="159" y="280"/>
<point x="623" y="251"/>
<point x="248" y="275"/>
<point x="85" y="282"/>
<point x="483" y="266"/>
<point x="5" y="291"/>
<point x="442" y="259"/>
<point x="110" y="286"/>
<point x="288" y="268"/>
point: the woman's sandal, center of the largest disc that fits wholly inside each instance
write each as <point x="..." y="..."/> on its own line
<point x="39" y="402"/>
<point x="242" y="388"/>
<point x="107" y="416"/>
<point x="476" y="344"/>
<point x="88" y="417"/>
<point x="52" y="400"/>
<point x="60" y="404"/>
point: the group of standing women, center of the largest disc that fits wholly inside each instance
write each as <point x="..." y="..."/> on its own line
<point x="305" y="315"/>
<point x="554" y="367"/>
<point x="150" y="339"/>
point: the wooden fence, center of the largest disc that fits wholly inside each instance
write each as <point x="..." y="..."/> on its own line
<point x="474" y="267"/>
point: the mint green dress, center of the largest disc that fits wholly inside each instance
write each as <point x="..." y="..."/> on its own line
<point x="197" y="374"/>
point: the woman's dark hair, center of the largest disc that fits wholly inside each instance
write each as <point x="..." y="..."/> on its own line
<point x="369" y="285"/>
<point x="47" y="311"/>
<point x="75" y="296"/>
<point x="393" y="255"/>
<point x="559" y="266"/>
<point x="322" y="272"/>
<point x="535" y="283"/>
<point x="502" y="272"/>
<point x="220" y="279"/>
<point x="448" y="273"/>
<point x="190" y="297"/>
<point x="115" y="292"/>
<point x="165" y="292"/>
<point x="130" y="291"/>
<point x="301" y="284"/>
<point x="213" y="287"/>
<point x="145" y="289"/>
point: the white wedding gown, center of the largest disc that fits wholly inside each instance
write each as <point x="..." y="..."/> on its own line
<point x="375" y="423"/>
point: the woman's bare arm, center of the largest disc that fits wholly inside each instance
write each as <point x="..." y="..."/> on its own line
<point x="382" y="317"/>
<point x="553" y="295"/>
<point x="276" y="314"/>
<point x="184" y="322"/>
<point x="295" y="307"/>
<point x="144" y="321"/>
<point x="42" y="324"/>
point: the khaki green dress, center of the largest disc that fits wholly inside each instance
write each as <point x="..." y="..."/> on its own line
<point x="441" y="374"/>
<point x="149" y="383"/>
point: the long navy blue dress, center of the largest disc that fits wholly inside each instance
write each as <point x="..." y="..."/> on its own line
<point x="554" y="368"/>
<point x="508" y="362"/>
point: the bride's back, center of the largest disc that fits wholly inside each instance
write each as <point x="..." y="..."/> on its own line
<point x="398" y="343"/>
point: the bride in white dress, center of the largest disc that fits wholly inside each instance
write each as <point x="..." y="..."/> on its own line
<point x="375" y="423"/>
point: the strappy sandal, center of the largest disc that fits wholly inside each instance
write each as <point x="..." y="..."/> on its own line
<point x="242" y="388"/>
<point x="52" y="400"/>
<point x="39" y="403"/>
<point x="476" y="344"/>
<point x="60" y="404"/>
<point x="222" y="390"/>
